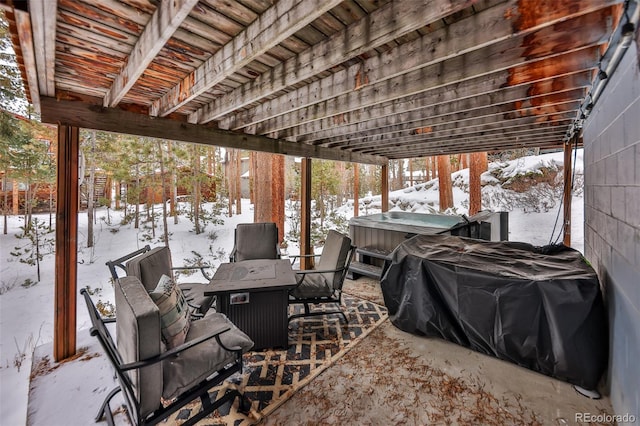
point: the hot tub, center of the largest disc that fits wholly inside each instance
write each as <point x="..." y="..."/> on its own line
<point x="384" y="231"/>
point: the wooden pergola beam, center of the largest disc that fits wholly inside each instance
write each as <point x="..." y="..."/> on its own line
<point x="23" y="22"/>
<point x="428" y="117"/>
<point x="499" y="64"/>
<point x="560" y="123"/>
<point x="495" y="45"/>
<point x="384" y="25"/>
<point x="163" y="23"/>
<point x="272" y="27"/>
<point x="521" y="136"/>
<point x="546" y="114"/>
<point x="89" y="116"/>
<point x="66" y="265"/>
<point x="487" y="91"/>
<point x="43" y="23"/>
<point x="546" y="141"/>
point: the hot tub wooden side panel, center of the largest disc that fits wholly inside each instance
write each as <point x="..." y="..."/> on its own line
<point x="382" y="239"/>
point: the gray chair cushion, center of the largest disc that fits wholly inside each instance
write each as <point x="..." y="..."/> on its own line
<point x="138" y="338"/>
<point x="313" y="285"/>
<point x="201" y="361"/>
<point x="334" y="256"/>
<point x="256" y="241"/>
<point x="150" y="266"/>
<point x="155" y="263"/>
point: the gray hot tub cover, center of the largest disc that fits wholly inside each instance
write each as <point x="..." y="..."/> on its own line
<point x="538" y="307"/>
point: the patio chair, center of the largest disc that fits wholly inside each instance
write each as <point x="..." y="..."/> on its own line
<point x="255" y="241"/>
<point x="149" y="374"/>
<point x="150" y="264"/>
<point x="324" y="283"/>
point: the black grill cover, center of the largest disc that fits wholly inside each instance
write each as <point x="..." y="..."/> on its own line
<point x="538" y="307"/>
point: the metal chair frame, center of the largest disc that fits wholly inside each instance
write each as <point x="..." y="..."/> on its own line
<point x="335" y="297"/>
<point x="101" y="332"/>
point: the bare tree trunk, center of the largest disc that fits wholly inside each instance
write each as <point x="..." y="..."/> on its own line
<point x="444" y="179"/>
<point x="277" y="193"/>
<point x="196" y="189"/>
<point x="229" y="165"/>
<point x="464" y="161"/>
<point x="477" y="167"/>
<point x="262" y="190"/>
<point x="138" y="192"/>
<point x="50" y="206"/>
<point x="252" y="177"/>
<point x="5" y="207"/>
<point x="210" y="160"/>
<point x="269" y="191"/>
<point x="174" y="184"/>
<point x="356" y="189"/>
<point x="165" y="225"/>
<point x="16" y="197"/>
<point x="238" y="186"/>
<point x="91" y="189"/>
<point x="410" y="172"/>
<point x="27" y="208"/>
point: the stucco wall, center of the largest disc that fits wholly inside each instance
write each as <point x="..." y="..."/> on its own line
<point x="612" y="222"/>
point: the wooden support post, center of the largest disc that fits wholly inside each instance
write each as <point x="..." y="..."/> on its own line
<point x="64" y="339"/>
<point x="305" y="212"/>
<point x="356" y="189"/>
<point x="568" y="183"/>
<point x="384" y="187"/>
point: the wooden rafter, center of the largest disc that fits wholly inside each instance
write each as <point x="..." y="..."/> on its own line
<point x="43" y="23"/>
<point x="494" y="46"/>
<point x="532" y="139"/>
<point x="25" y="34"/>
<point x="487" y="94"/>
<point x="505" y="115"/>
<point x="163" y="23"/>
<point x="391" y="21"/>
<point x="273" y="26"/>
<point x="492" y="133"/>
<point x="455" y="70"/>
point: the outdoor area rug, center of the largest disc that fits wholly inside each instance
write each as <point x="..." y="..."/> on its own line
<point x="273" y="376"/>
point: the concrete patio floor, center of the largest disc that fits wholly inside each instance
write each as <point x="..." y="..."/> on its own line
<point x="393" y="377"/>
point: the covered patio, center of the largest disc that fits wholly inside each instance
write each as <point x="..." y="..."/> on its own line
<point x="357" y="81"/>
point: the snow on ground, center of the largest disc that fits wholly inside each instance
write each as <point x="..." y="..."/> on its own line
<point x="26" y="309"/>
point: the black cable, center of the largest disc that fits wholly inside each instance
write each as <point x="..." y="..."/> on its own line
<point x="573" y="180"/>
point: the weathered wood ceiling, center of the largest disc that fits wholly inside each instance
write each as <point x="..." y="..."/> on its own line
<point x="360" y="80"/>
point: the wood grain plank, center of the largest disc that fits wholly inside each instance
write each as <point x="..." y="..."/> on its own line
<point x="25" y="35"/>
<point x="163" y="23"/>
<point x="481" y="92"/>
<point x="274" y="25"/>
<point x="43" y="24"/>
<point x="382" y="26"/>
<point x="84" y="115"/>
<point x="493" y="37"/>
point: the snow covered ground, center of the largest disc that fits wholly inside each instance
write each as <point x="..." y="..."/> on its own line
<point x="26" y="307"/>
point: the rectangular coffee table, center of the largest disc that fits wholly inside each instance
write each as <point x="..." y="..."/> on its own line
<point x="254" y="295"/>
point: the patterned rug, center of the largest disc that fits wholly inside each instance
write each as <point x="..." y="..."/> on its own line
<point x="273" y="376"/>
